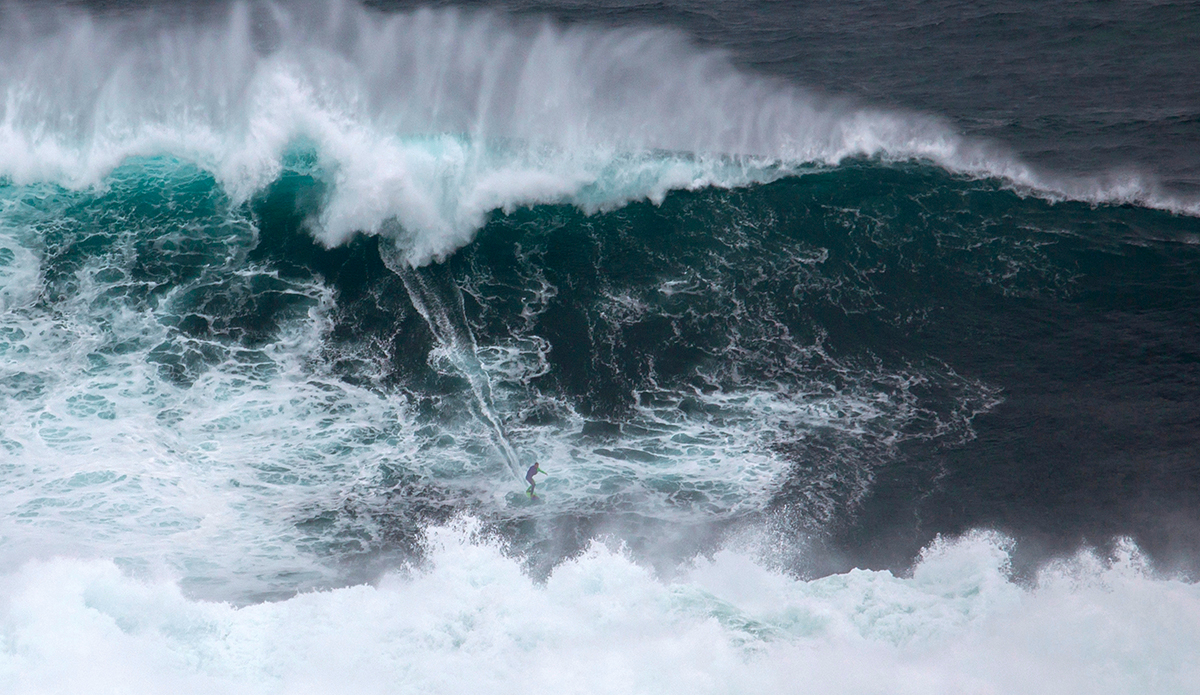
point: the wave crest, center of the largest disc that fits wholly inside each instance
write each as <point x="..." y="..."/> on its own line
<point x="431" y="119"/>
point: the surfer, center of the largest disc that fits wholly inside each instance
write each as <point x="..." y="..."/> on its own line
<point x="533" y="470"/>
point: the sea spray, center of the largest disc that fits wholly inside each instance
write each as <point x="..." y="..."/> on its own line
<point x="706" y="298"/>
<point x="435" y="118"/>
<point x="471" y="620"/>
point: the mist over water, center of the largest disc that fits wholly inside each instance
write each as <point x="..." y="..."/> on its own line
<point x="603" y="624"/>
<point x="829" y="397"/>
<point x="434" y="118"/>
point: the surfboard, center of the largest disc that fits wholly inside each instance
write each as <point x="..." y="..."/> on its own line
<point x="522" y="499"/>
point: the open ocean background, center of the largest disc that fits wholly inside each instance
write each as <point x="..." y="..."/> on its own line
<point x="860" y="343"/>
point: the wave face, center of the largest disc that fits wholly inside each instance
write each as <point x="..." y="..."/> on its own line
<point x="290" y="299"/>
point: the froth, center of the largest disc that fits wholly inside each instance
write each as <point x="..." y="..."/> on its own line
<point x="127" y="437"/>
<point x="432" y="119"/>
<point x="171" y="402"/>
<point x="470" y="621"/>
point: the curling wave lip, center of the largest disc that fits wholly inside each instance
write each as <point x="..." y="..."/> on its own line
<point x="434" y="118"/>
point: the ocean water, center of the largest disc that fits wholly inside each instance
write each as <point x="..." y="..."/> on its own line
<point x="858" y="345"/>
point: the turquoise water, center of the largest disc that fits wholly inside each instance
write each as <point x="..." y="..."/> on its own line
<point x="830" y="396"/>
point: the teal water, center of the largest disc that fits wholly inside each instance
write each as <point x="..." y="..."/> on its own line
<point x="290" y="298"/>
<point x="724" y="356"/>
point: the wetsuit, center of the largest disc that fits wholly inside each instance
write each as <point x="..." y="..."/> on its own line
<point x="533" y="470"/>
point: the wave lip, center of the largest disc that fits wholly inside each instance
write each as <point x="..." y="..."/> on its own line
<point x="432" y="119"/>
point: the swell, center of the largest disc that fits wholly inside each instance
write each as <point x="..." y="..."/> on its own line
<point x="424" y="122"/>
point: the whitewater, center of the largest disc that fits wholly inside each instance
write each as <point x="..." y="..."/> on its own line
<point x="290" y="296"/>
<point x="434" y="118"/>
<point x="473" y="621"/>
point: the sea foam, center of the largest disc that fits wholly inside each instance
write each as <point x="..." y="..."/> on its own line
<point x="433" y="118"/>
<point x="471" y="621"/>
<point x="170" y="401"/>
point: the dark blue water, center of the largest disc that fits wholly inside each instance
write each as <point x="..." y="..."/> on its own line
<point x="1045" y="351"/>
<point x="292" y="295"/>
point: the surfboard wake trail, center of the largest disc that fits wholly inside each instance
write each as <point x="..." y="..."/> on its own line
<point x="439" y="301"/>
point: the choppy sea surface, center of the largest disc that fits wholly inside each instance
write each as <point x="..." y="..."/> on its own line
<point x="859" y="345"/>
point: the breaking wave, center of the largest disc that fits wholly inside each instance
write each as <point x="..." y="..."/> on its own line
<point x="433" y="118"/>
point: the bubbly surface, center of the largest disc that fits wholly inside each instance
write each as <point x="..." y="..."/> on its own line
<point x="832" y="390"/>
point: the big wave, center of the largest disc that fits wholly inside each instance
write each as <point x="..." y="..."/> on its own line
<point x="423" y="122"/>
